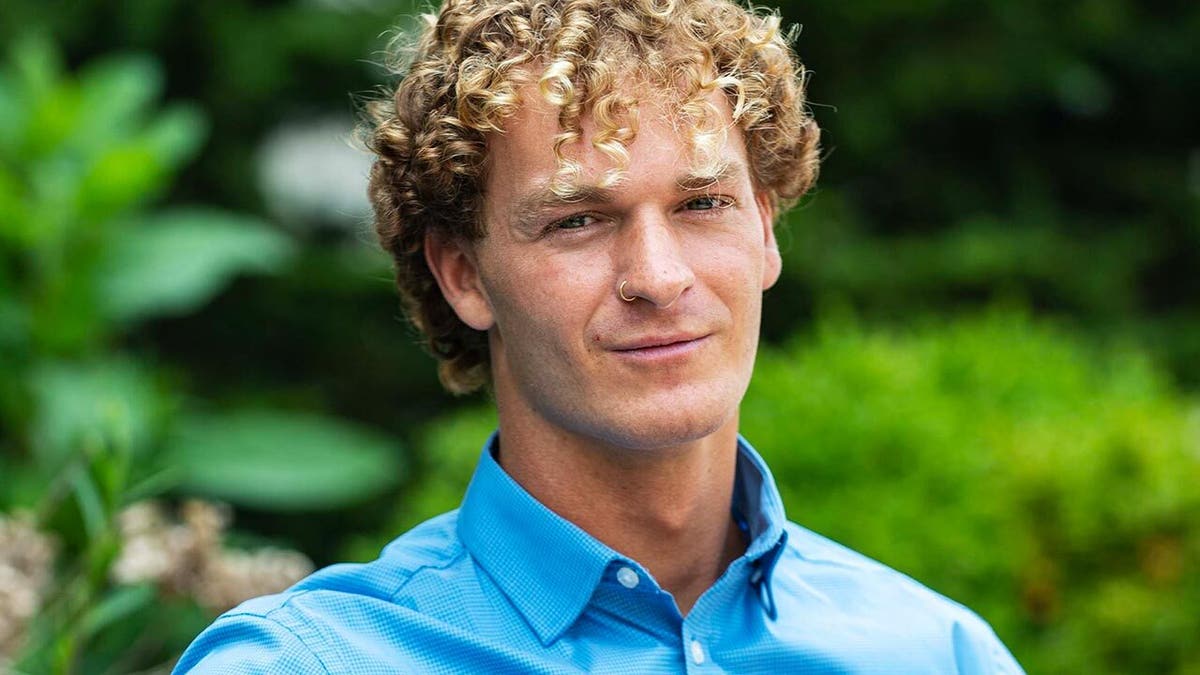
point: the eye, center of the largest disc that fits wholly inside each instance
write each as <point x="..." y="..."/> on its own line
<point x="708" y="203"/>
<point x="572" y="222"/>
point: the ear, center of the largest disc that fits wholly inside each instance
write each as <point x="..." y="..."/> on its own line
<point x="456" y="270"/>
<point x="772" y="262"/>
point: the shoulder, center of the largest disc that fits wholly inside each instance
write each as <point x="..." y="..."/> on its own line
<point x="824" y="559"/>
<point x="305" y="629"/>
<point x="428" y="547"/>
<point x="253" y="638"/>
<point x="898" y="604"/>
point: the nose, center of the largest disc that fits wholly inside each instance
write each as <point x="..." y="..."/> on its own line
<point x="652" y="263"/>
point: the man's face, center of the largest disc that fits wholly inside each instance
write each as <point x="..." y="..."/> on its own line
<point x="695" y="254"/>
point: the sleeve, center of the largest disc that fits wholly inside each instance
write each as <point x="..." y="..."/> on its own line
<point x="248" y="644"/>
<point x="978" y="651"/>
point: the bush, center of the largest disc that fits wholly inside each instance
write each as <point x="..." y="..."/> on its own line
<point x="92" y="422"/>
<point x="1044" y="482"/>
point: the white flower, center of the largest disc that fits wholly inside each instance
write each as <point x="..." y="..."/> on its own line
<point x="26" y="569"/>
<point x="187" y="558"/>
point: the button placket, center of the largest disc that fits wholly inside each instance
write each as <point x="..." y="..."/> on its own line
<point x="696" y="651"/>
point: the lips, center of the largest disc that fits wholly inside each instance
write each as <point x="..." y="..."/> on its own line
<point x="672" y="350"/>
<point x="656" y="342"/>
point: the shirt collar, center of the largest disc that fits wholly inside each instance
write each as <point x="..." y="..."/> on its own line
<point x="756" y="502"/>
<point x="549" y="567"/>
<point x="758" y="508"/>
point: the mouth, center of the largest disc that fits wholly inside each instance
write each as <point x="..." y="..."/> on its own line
<point x="654" y="348"/>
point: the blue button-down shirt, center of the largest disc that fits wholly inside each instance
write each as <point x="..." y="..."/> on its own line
<point x="504" y="585"/>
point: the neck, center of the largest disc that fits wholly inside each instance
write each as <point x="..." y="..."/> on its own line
<point x="666" y="508"/>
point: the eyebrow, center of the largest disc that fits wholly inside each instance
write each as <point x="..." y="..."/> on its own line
<point x="699" y="181"/>
<point x="544" y="196"/>
<point x="528" y="208"/>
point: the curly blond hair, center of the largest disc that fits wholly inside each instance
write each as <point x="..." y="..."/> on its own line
<point x="461" y="81"/>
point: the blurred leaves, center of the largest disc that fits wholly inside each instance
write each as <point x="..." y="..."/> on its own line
<point x="1016" y="461"/>
<point x="73" y="399"/>
<point x="282" y="461"/>
<point x="90" y="420"/>
<point x="985" y="255"/>
<point x="77" y="157"/>
<point x="118" y="606"/>
<point x="1015" y="150"/>
<point x="175" y="261"/>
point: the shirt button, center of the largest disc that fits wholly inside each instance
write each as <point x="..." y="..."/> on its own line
<point x="697" y="652"/>
<point x="627" y="577"/>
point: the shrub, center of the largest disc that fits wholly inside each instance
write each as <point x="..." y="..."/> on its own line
<point x="91" y="421"/>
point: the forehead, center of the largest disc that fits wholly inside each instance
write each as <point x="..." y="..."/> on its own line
<point x="657" y="135"/>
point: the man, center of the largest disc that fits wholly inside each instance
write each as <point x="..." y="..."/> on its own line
<point x="579" y="197"/>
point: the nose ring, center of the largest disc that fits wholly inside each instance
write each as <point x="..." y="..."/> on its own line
<point x="621" y="292"/>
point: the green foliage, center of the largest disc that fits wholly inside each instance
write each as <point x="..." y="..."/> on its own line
<point x="983" y="151"/>
<point x="1044" y="482"/>
<point x="828" y="248"/>
<point x="81" y="499"/>
<point x="1047" y="484"/>
<point x="90" y="424"/>
<point x="179" y="259"/>
<point x="72" y="399"/>
<point x="281" y="461"/>
<point x="84" y="262"/>
<point x="81" y="157"/>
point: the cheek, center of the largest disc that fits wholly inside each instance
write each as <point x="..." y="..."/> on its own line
<point x="736" y="264"/>
<point x="554" y="297"/>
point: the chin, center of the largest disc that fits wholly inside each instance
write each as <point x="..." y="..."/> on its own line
<point x="657" y="426"/>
